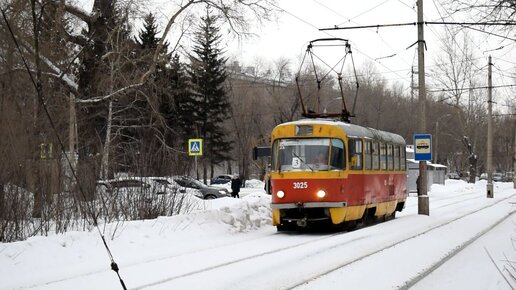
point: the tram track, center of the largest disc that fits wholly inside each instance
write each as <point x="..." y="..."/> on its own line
<point x="332" y="246"/>
<point x="412" y="281"/>
<point x="436" y="202"/>
<point x="408" y="284"/>
<point x="239" y="260"/>
<point x="197" y="251"/>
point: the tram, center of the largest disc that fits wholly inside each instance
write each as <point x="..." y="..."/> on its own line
<point x="327" y="171"/>
<point x="362" y="173"/>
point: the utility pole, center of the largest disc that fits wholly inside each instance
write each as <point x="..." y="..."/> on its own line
<point x="423" y="202"/>
<point x="514" y="159"/>
<point x="490" y="193"/>
<point x="436" y="148"/>
<point x="412" y="85"/>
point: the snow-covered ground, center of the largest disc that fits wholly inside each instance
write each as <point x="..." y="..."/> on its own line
<point x="465" y="243"/>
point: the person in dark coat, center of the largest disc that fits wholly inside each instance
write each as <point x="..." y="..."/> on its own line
<point x="235" y="186"/>
<point x="418" y="185"/>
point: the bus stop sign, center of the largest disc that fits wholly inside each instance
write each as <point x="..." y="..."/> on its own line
<point x="423" y="147"/>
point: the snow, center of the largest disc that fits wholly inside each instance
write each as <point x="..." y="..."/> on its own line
<point x="230" y="243"/>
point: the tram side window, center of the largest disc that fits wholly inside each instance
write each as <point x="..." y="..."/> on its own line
<point x="355" y="153"/>
<point x="403" y="159"/>
<point x="376" y="156"/>
<point x="368" y="155"/>
<point x="383" y="156"/>
<point x="396" y="157"/>
<point x="338" y="156"/>
<point x="389" y="157"/>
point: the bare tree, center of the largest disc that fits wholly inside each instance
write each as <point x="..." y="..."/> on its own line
<point x="261" y="98"/>
<point x="456" y="71"/>
<point x="486" y="10"/>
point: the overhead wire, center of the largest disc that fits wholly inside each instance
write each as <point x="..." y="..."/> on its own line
<point x="502" y="80"/>
<point x="471" y="40"/>
<point x="464" y="25"/>
<point x="511" y="23"/>
<point x="378" y="35"/>
<point x="472" y="88"/>
<point x="329" y="34"/>
<point x="367" y="11"/>
<point x="38" y="87"/>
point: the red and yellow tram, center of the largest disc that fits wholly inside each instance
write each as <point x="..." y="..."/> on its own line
<point x="332" y="172"/>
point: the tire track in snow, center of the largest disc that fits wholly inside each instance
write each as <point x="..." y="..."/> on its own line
<point x="406" y="239"/>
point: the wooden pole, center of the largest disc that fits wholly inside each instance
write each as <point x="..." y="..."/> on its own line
<point x="423" y="202"/>
<point x="490" y="192"/>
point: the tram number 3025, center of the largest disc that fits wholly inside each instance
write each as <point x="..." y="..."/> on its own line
<point x="300" y="184"/>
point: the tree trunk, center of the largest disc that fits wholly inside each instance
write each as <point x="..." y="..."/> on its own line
<point x="104" y="165"/>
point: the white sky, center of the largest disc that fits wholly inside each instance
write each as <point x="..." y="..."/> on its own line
<point x="230" y="244"/>
<point x="386" y="48"/>
<point x="301" y="20"/>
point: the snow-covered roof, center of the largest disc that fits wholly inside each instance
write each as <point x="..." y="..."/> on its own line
<point x="428" y="163"/>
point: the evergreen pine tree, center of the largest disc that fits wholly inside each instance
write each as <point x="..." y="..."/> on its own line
<point x="208" y="73"/>
<point x="147" y="38"/>
<point x="181" y="111"/>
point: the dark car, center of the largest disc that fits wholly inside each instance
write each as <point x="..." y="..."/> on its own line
<point x="208" y="192"/>
<point x="221" y="179"/>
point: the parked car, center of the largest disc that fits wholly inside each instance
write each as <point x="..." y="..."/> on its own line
<point x="139" y="197"/>
<point x="497" y="176"/>
<point x="221" y="179"/>
<point x="453" y="175"/>
<point x="483" y="176"/>
<point x="154" y="185"/>
<point x="509" y="176"/>
<point x="208" y="192"/>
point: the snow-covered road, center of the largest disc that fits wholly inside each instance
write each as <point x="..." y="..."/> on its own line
<point x="233" y="246"/>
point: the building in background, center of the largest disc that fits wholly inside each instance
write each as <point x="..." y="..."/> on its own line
<point x="436" y="173"/>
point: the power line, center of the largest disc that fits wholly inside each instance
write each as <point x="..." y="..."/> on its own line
<point x="37" y="85"/>
<point x="395" y="53"/>
<point x="310" y="24"/>
<point x="489" y="33"/>
<point x="508" y="23"/>
<point x="470" y="88"/>
<point x="368" y="10"/>
<point x="464" y="52"/>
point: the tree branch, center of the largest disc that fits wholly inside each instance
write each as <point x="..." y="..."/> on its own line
<point x="79" y="13"/>
<point x="100" y="99"/>
<point x="159" y="48"/>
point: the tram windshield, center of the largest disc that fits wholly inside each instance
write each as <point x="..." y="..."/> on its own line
<point x="314" y="154"/>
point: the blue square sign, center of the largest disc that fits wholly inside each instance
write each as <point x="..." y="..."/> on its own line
<point x="423" y="147"/>
<point x="195" y="147"/>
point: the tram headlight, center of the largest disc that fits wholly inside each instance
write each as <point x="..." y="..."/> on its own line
<point x="321" y="193"/>
<point x="280" y="194"/>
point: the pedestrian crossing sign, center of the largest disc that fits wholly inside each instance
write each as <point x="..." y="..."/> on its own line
<point x="195" y="147"/>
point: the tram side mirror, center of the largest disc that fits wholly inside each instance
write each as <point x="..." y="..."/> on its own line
<point x="261" y="151"/>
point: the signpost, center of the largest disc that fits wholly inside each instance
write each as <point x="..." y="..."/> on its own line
<point x="195" y="149"/>
<point x="423" y="153"/>
<point x="423" y="147"/>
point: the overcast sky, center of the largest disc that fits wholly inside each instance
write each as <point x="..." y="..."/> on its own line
<point x="391" y="50"/>
<point x="387" y="48"/>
